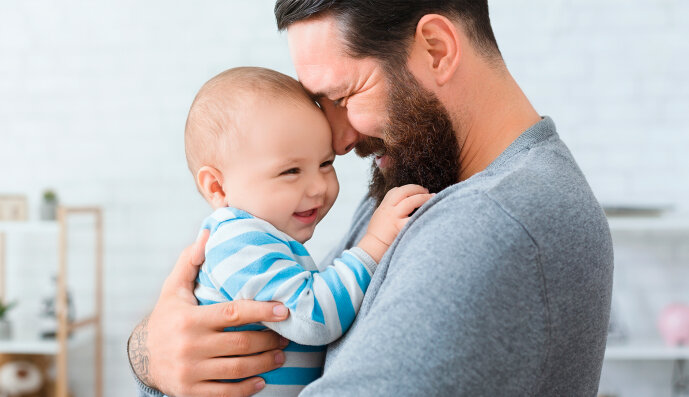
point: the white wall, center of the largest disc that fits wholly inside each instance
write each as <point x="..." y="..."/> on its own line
<point x="613" y="76"/>
<point x="94" y="94"/>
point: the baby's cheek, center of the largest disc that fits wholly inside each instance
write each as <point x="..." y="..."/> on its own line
<point x="335" y="188"/>
<point x="333" y="191"/>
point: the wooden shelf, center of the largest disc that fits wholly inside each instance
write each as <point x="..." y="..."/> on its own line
<point x="48" y="347"/>
<point x="650" y="350"/>
<point x="29" y="226"/>
<point x="59" y="346"/>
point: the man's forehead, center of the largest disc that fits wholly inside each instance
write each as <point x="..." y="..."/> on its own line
<point x="315" y="33"/>
<point x="318" y="55"/>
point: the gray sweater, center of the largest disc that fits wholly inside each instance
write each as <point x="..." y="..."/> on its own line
<point x="498" y="286"/>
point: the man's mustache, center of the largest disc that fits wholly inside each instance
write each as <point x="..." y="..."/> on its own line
<point x="369" y="146"/>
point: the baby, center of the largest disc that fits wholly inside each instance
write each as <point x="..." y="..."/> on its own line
<point x="260" y="150"/>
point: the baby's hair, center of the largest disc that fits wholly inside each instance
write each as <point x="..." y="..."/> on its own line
<point x="214" y="117"/>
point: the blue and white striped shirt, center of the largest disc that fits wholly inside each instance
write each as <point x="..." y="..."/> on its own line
<point x="248" y="258"/>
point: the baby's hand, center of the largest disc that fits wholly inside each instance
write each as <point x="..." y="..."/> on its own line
<point x="390" y="217"/>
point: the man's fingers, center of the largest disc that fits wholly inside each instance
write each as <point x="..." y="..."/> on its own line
<point x="395" y="195"/>
<point x="247" y="387"/>
<point x="240" y="312"/>
<point x="241" y="367"/>
<point x="409" y="204"/>
<point x="242" y="343"/>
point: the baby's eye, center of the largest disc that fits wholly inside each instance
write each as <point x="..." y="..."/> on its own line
<point x="327" y="163"/>
<point x="291" y="171"/>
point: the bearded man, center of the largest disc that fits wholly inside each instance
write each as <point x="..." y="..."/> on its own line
<point x="498" y="286"/>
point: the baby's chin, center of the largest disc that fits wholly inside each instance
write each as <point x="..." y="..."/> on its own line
<point x="302" y="235"/>
<point x="302" y="238"/>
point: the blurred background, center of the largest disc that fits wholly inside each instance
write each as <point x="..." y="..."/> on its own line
<point x="93" y="100"/>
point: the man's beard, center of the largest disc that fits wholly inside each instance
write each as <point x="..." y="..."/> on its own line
<point x="419" y="140"/>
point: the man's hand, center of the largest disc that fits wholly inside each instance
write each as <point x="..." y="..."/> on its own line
<point x="390" y="217"/>
<point x="180" y="348"/>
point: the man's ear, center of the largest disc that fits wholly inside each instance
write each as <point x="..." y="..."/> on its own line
<point x="210" y="182"/>
<point x="438" y="45"/>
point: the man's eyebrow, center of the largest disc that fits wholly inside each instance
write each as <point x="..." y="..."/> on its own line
<point x="333" y="92"/>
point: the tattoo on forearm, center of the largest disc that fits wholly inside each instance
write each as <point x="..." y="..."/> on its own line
<point x="138" y="352"/>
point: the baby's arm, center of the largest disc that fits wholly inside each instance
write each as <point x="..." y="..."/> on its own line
<point x="249" y="260"/>
<point x="259" y="265"/>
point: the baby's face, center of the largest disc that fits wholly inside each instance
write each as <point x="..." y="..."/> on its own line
<point x="281" y="167"/>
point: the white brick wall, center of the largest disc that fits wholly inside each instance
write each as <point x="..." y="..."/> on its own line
<point x="93" y="97"/>
<point x="612" y="74"/>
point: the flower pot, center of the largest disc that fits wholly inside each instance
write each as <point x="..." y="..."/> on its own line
<point x="49" y="210"/>
<point x="5" y="329"/>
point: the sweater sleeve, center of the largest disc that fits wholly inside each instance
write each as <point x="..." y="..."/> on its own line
<point x="262" y="266"/>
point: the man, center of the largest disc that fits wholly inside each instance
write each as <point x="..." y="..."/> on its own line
<point x="500" y="285"/>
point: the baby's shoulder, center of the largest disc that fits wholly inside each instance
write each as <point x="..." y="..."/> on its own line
<point x="235" y="231"/>
<point x="229" y="223"/>
<point x="222" y="217"/>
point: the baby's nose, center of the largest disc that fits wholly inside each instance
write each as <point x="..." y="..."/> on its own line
<point x="318" y="186"/>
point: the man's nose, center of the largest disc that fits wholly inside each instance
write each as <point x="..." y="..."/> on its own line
<point x="345" y="136"/>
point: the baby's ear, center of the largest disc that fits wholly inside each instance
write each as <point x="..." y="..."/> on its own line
<point x="210" y="180"/>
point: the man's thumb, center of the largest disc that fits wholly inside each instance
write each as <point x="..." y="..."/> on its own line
<point x="181" y="280"/>
<point x="198" y="254"/>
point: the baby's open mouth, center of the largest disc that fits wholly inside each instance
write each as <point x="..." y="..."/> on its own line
<point x="307" y="216"/>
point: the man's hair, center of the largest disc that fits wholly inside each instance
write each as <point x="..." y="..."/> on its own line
<point x="383" y="29"/>
<point x="214" y="118"/>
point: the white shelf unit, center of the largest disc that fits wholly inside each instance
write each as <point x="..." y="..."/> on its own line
<point x="667" y="223"/>
<point x="648" y="349"/>
<point x="637" y="350"/>
<point x="60" y="346"/>
<point x="47" y="347"/>
<point x="43" y="347"/>
<point x="651" y="350"/>
<point x="29" y="226"/>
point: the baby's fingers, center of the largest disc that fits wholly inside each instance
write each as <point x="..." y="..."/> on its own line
<point x="401" y="222"/>
<point x="409" y="204"/>
<point x="396" y="195"/>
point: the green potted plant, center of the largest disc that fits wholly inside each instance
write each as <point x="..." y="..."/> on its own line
<point x="5" y="326"/>
<point x="49" y="206"/>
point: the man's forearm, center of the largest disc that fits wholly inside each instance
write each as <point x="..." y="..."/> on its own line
<point x="138" y="352"/>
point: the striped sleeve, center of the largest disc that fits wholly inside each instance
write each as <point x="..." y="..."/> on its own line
<point x="247" y="261"/>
